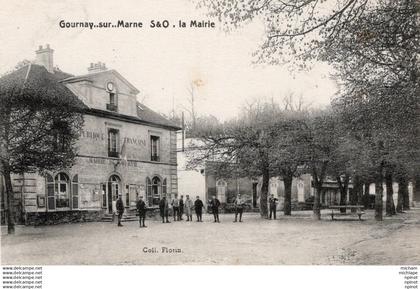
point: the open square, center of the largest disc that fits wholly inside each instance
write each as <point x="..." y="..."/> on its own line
<point x="291" y="240"/>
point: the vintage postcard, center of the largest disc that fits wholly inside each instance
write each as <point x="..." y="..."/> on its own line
<point x="210" y="132"/>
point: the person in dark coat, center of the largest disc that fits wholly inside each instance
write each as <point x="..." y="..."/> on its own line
<point x="141" y="208"/>
<point x="175" y="207"/>
<point x="215" y="204"/>
<point x="198" y="206"/>
<point x="164" y="210"/>
<point x="239" y="208"/>
<point x="273" y="206"/>
<point x="120" y="210"/>
<point x="181" y="207"/>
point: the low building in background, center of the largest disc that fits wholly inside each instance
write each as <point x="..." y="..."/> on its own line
<point x="190" y="181"/>
<point x="226" y="188"/>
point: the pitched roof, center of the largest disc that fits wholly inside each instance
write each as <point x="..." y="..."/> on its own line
<point x="61" y="74"/>
<point x="33" y="76"/>
<point x="148" y="115"/>
<point x="163" y="123"/>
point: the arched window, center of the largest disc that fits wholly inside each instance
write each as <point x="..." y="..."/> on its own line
<point x="154" y="190"/>
<point x="61" y="191"/>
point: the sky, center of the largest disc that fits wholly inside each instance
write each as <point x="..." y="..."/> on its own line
<point x="161" y="63"/>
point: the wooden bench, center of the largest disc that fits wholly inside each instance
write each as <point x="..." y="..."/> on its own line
<point x="359" y="210"/>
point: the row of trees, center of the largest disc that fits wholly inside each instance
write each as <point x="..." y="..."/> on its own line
<point x="370" y="134"/>
<point x="267" y="141"/>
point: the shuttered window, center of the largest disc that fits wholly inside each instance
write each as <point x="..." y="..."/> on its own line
<point x="75" y="192"/>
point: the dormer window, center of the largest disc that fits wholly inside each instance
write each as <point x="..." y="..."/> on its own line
<point x="112" y="105"/>
<point x="112" y="99"/>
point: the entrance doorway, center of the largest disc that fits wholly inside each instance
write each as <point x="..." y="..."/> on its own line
<point x="113" y="190"/>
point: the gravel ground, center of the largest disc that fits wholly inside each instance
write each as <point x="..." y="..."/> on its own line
<point x="288" y="240"/>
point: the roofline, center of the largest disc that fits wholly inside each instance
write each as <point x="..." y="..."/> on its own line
<point x="127" y="118"/>
<point x="73" y="79"/>
<point x="113" y="71"/>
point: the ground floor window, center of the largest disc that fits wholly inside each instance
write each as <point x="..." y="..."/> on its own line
<point x="156" y="188"/>
<point x="61" y="189"/>
<point x="61" y="193"/>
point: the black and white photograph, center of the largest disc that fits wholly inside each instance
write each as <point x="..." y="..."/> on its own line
<point x="210" y="132"/>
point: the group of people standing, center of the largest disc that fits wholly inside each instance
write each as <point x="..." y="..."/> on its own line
<point x="180" y="207"/>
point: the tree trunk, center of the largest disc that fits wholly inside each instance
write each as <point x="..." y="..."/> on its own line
<point x="264" y="193"/>
<point x="402" y="185"/>
<point x="378" y="195"/>
<point x="317" y="201"/>
<point x="400" y="201"/>
<point x="390" y="207"/>
<point x="287" y="195"/>
<point x="343" y="191"/>
<point x="366" y="196"/>
<point x="357" y="192"/>
<point x="10" y="201"/>
<point x="406" y="196"/>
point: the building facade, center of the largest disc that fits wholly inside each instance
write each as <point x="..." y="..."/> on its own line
<point x="226" y="188"/>
<point x="124" y="149"/>
<point x="190" y="181"/>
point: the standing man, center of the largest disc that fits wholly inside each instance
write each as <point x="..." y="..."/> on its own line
<point x="273" y="205"/>
<point x="181" y="207"/>
<point x="215" y="204"/>
<point x="120" y="210"/>
<point x="188" y="208"/>
<point x="198" y="205"/>
<point x="239" y="208"/>
<point x="141" y="208"/>
<point x="164" y="209"/>
<point x="175" y="207"/>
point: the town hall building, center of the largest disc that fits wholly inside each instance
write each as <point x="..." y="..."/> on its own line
<point x="124" y="149"/>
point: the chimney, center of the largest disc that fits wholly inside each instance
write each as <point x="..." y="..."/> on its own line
<point x="96" y="67"/>
<point x="44" y="56"/>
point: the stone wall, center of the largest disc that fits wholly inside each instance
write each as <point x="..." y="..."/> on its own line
<point x="53" y="218"/>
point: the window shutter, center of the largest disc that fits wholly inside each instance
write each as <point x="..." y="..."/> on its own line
<point x="103" y="186"/>
<point x="50" y="193"/>
<point x="75" y="193"/>
<point x="149" y="191"/>
<point x="164" y="187"/>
